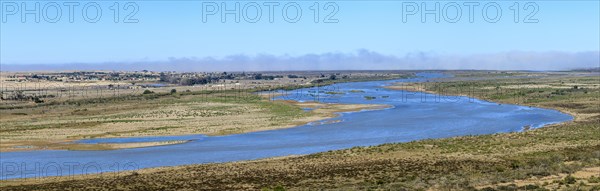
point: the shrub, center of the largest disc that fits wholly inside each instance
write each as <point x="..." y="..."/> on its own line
<point x="530" y="187"/>
<point x="37" y="100"/>
<point x="279" y="188"/>
<point x="569" y="180"/>
<point x="594" y="179"/>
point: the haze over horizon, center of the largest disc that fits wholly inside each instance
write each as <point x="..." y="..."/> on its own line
<point x="358" y="60"/>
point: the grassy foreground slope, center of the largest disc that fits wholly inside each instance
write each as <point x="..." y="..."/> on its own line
<point x="564" y="156"/>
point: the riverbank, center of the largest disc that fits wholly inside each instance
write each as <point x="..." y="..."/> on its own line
<point x="529" y="92"/>
<point x="73" y="146"/>
<point x="492" y="162"/>
<point x="59" y="127"/>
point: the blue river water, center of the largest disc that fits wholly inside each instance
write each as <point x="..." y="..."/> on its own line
<point x="412" y="116"/>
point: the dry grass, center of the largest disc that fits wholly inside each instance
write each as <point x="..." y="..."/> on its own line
<point x="51" y="126"/>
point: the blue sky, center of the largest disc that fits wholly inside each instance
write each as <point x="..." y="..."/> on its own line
<point x="175" y="29"/>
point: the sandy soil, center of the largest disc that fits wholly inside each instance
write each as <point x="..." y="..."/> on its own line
<point x="68" y="145"/>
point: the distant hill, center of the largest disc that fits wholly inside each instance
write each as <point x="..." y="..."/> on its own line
<point x="597" y="69"/>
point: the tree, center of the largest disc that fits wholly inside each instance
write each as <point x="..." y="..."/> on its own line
<point x="186" y="81"/>
<point x="332" y="77"/>
<point x="163" y="77"/>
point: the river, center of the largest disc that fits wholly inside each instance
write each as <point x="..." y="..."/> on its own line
<point x="414" y="116"/>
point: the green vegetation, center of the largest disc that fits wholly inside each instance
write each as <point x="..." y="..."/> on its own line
<point x="329" y="81"/>
<point x="333" y="80"/>
<point x="370" y="97"/>
<point x="594" y="179"/>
